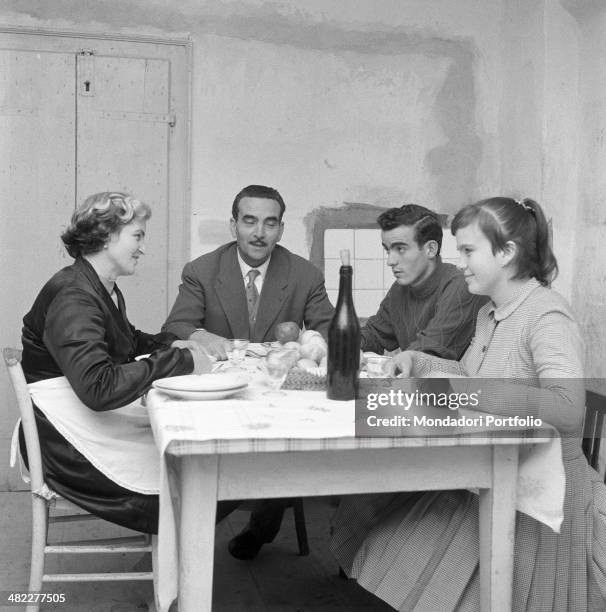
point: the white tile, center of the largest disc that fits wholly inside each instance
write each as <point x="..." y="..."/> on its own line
<point x="333" y="294"/>
<point x="367" y="244"/>
<point x="368" y="274"/>
<point x="337" y="239"/>
<point x="367" y="301"/>
<point x="449" y="246"/>
<point x="388" y="278"/>
<point x="331" y="273"/>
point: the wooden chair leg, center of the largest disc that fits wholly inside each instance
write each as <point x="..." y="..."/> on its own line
<point x="297" y="507"/>
<point x="154" y="556"/>
<point x="39" y="534"/>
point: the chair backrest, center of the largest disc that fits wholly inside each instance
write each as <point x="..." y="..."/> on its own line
<point x="592" y="430"/>
<point x="12" y="358"/>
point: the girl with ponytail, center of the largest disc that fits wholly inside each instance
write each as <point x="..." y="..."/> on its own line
<point x="521" y="222"/>
<point x="527" y="358"/>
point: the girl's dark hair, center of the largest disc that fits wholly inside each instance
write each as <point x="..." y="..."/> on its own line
<point x="99" y="216"/>
<point x="522" y="222"/>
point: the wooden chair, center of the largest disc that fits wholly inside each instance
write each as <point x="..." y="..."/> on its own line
<point x="595" y="409"/>
<point x="46" y="503"/>
<point x="296" y="503"/>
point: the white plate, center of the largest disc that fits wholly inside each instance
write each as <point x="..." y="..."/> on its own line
<point x="219" y="381"/>
<point x="201" y="395"/>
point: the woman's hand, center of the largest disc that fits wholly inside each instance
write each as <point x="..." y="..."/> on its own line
<point x="402" y="362"/>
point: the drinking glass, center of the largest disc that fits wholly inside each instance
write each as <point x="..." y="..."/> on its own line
<point x="376" y="367"/>
<point x="236" y="352"/>
<point x="276" y="364"/>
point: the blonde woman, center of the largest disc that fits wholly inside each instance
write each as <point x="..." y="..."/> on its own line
<point x="78" y="329"/>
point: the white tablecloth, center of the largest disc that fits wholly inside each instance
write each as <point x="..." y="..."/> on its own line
<point x="306" y="420"/>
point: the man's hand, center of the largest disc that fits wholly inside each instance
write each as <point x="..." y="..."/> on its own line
<point x="402" y="362"/>
<point x="185" y="344"/>
<point x="202" y="362"/>
<point x="215" y="346"/>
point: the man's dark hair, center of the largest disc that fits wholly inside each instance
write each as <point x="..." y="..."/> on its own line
<point x="424" y="221"/>
<point x="258" y="191"/>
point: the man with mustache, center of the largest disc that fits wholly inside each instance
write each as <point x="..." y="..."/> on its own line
<point x="428" y="308"/>
<point x="244" y="289"/>
<point x="212" y="301"/>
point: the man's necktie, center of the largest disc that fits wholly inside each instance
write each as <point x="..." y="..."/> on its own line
<point x="252" y="298"/>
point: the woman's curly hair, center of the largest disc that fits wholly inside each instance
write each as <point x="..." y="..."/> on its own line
<point x="99" y="216"/>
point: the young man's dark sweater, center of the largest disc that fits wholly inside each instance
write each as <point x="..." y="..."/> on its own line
<point x="437" y="317"/>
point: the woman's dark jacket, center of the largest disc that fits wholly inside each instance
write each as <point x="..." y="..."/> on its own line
<point x="75" y="330"/>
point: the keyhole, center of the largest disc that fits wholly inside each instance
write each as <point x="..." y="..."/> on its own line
<point x="87" y="86"/>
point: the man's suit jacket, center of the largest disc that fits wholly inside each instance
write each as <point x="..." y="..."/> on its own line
<point x="212" y="296"/>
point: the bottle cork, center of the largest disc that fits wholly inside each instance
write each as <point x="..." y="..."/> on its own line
<point x="345" y="260"/>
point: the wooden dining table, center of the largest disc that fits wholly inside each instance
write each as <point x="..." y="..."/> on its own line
<point x="301" y="444"/>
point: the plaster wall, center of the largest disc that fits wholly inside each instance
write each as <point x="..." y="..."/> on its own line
<point x="378" y="108"/>
<point x="561" y="156"/>
<point x="380" y="102"/>
<point x="589" y="289"/>
<point x="539" y="118"/>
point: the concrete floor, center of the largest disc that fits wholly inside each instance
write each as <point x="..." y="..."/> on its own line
<point x="277" y="580"/>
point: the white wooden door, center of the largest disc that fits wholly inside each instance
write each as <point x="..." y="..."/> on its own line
<point x="37" y="191"/>
<point x="37" y="186"/>
<point x="60" y="143"/>
<point x="123" y="126"/>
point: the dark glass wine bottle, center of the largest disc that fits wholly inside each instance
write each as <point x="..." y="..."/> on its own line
<point x="344" y="340"/>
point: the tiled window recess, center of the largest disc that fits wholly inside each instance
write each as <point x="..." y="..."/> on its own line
<point x="372" y="276"/>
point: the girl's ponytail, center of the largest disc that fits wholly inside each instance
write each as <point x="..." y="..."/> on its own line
<point x="546" y="267"/>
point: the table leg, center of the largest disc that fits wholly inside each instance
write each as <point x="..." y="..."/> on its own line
<point x="198" y="492"/>
<point x="497" y="531"/>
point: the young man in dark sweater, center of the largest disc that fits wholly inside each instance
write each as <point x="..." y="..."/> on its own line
<point x="428" y="308"/>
